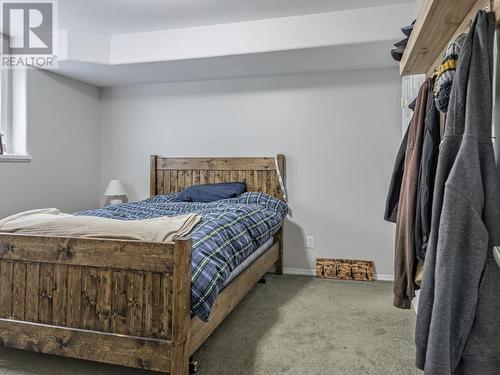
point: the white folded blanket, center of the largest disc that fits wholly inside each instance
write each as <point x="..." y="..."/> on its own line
<point x="52" y="222"/>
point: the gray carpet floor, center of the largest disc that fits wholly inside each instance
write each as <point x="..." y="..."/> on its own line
<point x="292" y="325"/>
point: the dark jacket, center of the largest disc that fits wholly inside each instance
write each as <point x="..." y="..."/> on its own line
<point x="391" y="205"/>
<point x="458" y="325"/>
<point x="404" y="259"/>
<point x="427" y="175"/>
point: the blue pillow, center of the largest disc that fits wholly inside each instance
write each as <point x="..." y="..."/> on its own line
<point x="212" y="192"/>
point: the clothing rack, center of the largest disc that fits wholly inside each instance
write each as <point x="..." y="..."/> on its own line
<point x="457" y="330"/>
<point x="439" y="22"/>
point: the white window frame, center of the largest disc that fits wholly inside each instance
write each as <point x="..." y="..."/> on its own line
<point x="5" y="106"/>
<point x="13" y="88"/>
<point x="5" y="85"/>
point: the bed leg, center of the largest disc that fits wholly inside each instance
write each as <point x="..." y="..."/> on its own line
<point x="181" y="312"/>
<point x="278" y="267"/>
<point x="193" y="366"/>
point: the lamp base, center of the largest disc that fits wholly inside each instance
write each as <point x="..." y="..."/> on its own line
<point x="115" y="201"/>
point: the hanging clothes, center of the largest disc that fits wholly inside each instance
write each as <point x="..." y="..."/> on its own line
<point x="392" y="201"/>
<point x="391" y="205"/>
<point x="404" y="263"/>
<point x="458" y="325"/>
<point x="445" y="73"/>
<point x="448" y="151"/>
<point x="426" y="177"/>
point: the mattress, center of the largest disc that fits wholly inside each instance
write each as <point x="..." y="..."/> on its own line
<point x="230" y="231"/>
<point x="248" y="261"/>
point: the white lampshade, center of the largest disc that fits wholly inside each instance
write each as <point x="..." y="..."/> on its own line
<point x="115" y="188"/>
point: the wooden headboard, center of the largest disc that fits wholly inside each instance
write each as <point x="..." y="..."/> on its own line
<point x="170" y="175"/>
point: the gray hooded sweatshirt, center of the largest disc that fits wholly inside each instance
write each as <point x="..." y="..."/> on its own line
<point x="458" y="321"/>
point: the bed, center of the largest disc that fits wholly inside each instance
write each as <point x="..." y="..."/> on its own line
<point x="127" y="302"/>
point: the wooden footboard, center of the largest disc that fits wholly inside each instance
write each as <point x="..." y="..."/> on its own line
<point x="118" y="302"/>
<point x="126" y="302"/>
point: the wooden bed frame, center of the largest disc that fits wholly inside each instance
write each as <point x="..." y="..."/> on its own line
<point x="125" y="302"/>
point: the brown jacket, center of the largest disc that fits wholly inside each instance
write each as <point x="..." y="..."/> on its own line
<point x="404" y="259"/>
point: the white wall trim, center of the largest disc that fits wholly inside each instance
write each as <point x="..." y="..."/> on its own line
<point x="15" y="158"/>
<point x="384" y="277"/>
<point x="312" y="272"/>
<point x="299" y="271"/>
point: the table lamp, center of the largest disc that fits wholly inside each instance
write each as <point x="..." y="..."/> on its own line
<point x="115" y="191"/>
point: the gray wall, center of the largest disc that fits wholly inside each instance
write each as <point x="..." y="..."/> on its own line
<point x="63" y="138"/>
<point x="339" y="132"/>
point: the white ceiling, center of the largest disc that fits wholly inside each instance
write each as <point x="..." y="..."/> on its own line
<point x="125" y="42"/>
<point x="311" y="60"/>
<point x="131" y="16"/>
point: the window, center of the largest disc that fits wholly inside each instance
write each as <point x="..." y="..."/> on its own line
<point x="12" y="112"/>
<point x="5" y="123"/>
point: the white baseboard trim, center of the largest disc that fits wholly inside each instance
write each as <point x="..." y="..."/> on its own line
<point x="299" y="271"/>
<point x="385" y="277"/>
<point x="312" y="272"/>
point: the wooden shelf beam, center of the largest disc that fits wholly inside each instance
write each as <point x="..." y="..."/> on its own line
<point x="437" y="23"/>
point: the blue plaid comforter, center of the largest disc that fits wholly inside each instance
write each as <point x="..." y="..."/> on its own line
<point x="230" y="230"/>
